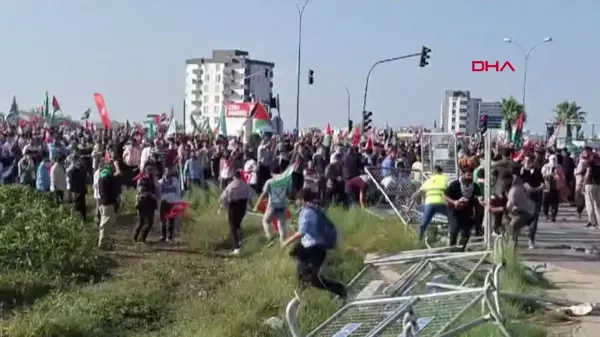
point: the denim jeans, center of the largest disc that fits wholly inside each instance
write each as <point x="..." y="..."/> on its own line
<point x="429" y="211"/>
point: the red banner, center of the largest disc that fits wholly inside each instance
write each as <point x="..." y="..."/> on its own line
<point x="242" y="110"/>
<point x="102" y="110"/>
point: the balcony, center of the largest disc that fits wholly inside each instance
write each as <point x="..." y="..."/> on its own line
<point x="198" y="81"/>
<point x="198" y="72"/>
<point x="197" y="103"/>
<point x="197" y="92"/>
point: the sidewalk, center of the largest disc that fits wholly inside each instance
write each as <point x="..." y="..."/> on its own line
<point x="575" y="271"/>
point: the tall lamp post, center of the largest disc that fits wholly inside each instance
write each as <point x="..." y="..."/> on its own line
<point x="300" y="15"/>
<point x="527" y="53"/>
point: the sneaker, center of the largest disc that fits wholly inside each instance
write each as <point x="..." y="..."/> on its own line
<point x="531" y="245"/>
<point x="235" y="252"/>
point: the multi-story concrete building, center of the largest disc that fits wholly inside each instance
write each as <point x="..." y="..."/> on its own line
<point x="459" y="112"/>
<point x="227" y="76"/>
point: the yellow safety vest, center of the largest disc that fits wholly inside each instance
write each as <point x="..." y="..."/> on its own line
<point x="434" y="189"/>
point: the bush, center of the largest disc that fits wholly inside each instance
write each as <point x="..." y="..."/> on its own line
<point x="104" y="310"/>
<point x="38" y="237"/>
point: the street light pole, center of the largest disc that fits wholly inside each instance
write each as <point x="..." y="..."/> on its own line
<point x="348" y="94"/>
<point x="300" y="14"/>
<point x="378" y="63"/>
<point x="526" y="54"/>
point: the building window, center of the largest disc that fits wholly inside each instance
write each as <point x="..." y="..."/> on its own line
<point x="217" y="99"/>
<point x="205" y="109"/>
<point x="205" y="100"/>
<point x="207" y="77"/>
<point x="219" y="78"/>
<point x="216" y="120"/>
<point x="216" y="110"/>
<point x="217" y="87"/>
<point x="205" y="88"/>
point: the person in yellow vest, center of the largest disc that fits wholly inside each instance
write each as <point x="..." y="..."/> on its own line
<point x="435" y="200"/>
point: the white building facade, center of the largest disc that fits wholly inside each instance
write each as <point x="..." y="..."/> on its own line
<point x="229" y="76"/>
<point x="459" y="112"/>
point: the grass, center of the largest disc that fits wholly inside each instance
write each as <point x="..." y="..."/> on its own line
<point x="194" y="288"/>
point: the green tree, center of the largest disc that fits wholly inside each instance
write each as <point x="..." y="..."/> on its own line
<point x="511" y="108"/>
<point x="571" y="116"/>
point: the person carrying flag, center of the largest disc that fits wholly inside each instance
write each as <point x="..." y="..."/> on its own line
<point x="170" y="187"/>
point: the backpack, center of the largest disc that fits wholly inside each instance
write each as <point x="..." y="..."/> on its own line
<point x="326" y="229"/>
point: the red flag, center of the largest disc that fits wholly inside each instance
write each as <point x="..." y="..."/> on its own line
<point x="369" y="145"/>
<point x="55" y="105"/>
<point x="102" y="110"/>
<point x="356" y="137"/>
<point x="176" y="209"/>
<point x="329" y="130"/>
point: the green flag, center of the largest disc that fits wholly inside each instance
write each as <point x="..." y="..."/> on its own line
<point x="222" y="128"/>
<point x="46" y="106"/>
<point x="150" y="128"/>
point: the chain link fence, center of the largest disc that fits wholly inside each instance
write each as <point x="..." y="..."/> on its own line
<point x="394" y="188"/>
<point x="440" y="149"/>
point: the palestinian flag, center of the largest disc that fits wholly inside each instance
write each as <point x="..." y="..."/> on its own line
<point x="261" y="122"/>
<point x="517" y="134"/>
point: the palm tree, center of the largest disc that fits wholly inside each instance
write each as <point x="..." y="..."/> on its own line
<point x="511" y="108"/>
<point x="571" y="115"/>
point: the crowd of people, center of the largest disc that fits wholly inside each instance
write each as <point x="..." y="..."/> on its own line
<point x="270" y="173"/>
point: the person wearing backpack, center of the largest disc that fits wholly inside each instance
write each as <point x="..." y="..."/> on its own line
<point x="316" y="235"/>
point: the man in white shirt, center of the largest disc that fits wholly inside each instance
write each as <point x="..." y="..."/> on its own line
<point x="58" y="180"/>
<point x="145" y="154"/>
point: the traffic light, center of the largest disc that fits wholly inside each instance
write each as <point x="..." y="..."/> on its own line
<point x="311" y="76"/>
<point x="350" y="125"/>
<point x="483" y="123"/>
<point x="424" y="57"/>
<point x="366" y="120"/>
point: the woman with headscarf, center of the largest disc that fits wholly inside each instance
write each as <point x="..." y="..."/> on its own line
<point x="552" y="173"/>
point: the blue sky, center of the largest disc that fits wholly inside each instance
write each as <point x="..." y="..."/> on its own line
<point x="134" y="52"/>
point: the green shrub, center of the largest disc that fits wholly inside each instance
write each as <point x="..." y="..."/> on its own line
<point x="36" y="236"/>
<point x="105" y="310"/>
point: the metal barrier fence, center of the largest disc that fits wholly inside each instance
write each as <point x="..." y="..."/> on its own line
<point x="428" y="292"/>
<point x="440" y="149"/>
<point x="448" y="313"/>
<point x="397" y="186"/>
<point x="385" y="277"/>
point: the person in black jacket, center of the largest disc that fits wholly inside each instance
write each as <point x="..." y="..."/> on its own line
<point x="109" y="188"/>
<point x="147" y="202"/>
<point x="463" y="196"/>
<point x="77" y="180"/>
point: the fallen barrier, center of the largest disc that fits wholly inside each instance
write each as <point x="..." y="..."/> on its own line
<point x="447" y="313"/>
